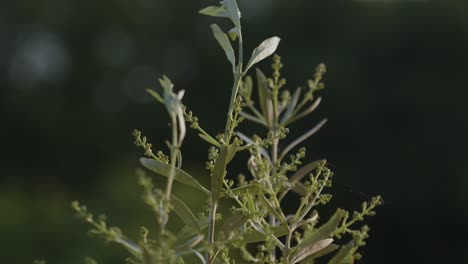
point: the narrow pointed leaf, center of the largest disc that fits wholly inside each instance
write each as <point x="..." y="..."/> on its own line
<point x="233" y="11"/>
<point x="186" y="232"/>
<point x="215" y="11"/>
<point x="343" y="255"/>
<point x="323" y="232"/>
<point x="185" y="213"/>
<point x="233" y="223"/>
<point x="210" y="140"/>
<point x="292" y="105"/>
<point x="190" y="243"/>
<point x="232" y="149"/>
<point x="252" y="236"/>
<point x="249" y="140"/>
<point x="310" y="249"/>
<point x="233" y="33"/>
<point x="164" y="169"/>
<point x="219" y="171"/>
<point x="265" y="49"/>
<point x="265" y="97"/>
<point x="306" y="170"/>
<point x="327" y="250"/>
<point x="304" y="113"/>
<point x="247" y="86"/>
<point x="155" y="95"/>
<point x="223" y="40"/>
<point x="272" y="209"/>
<point x="252" y="118"/>
<point x="302" y="138"/>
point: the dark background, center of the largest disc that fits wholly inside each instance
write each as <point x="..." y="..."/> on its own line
<point x="72" y="78"/>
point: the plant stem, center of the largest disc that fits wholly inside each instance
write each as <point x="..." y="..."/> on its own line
<point x="174" y="149"/>
<point x="211" y="229"/>
<point x="238" y="74"/>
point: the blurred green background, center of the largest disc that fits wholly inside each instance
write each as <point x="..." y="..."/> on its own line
<point x="73" y="74"/>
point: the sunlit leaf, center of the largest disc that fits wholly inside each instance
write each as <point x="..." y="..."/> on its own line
<point x="216" y="11"/>
<point x="233" y="33"/>
<point x="265" y="49"/>
<point x="309" y="249"/>
<point x="223" y="40"/>
<point x="233" y="11"/>
<point x="323" y="232"/>
<point x="327" y="250"/>
<point x="164" y="169"/>
<point x="210" y="140"/>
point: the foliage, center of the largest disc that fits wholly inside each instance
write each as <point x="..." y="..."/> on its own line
<point x="257" y="230"/>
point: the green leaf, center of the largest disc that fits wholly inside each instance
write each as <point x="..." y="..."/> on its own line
<point x="215" y="11"/>
<point x="233" y="11"/>
<point x="327" y="250"/>
<point x="164" y="169"/>
<point x="232" y="149"/>
<point x="186" y="231"/>
<point x="223" y="40"/>
<point x="305" y="170"/>
<point x="155" y="95"/>
<point x="210" y="140"/>
<point x="189" y="243"/>
<point x="309" y="249"/>
<point x="252" y="235"/>
<point x="247" y="86"/>
<point x="323" y="232"/>
<point x="265" y="97"/>
<point x="185" y="213"/>
<point x="233" y="223"/>
<point x="219" y="172"/>
<point x="265" y="49"/>
<point x="233" y="33"/>
<point x="343" y="255"/>
<point x="272" y="209"/>
<point x="250" y="188"/>
<point x="292" y="105"/>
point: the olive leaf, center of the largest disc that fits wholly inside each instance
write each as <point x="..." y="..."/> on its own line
<point x="233" y="33"/>
<point x="157" y="96"/>
<point x="343" y="254"/>
<point x="292" y="105"/>
<point x="223" y="40"/>
<point x="252" y="235"/>
<point x="219" y="171"/>
<point x="265" y="49"/>
<point x="265" y="97"/>
<point x="327" y="250"/>
<point x="233" y="223"/>
<point x="210" y="140"/>
<point x="181" y="176"/>
<point x="310" y="249"/>
<point x="233" y="11"/>
<point x="185" y="213"/>
<point x="323" y="232"/>
<point x="215" y="11"/>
